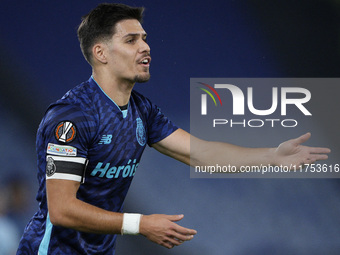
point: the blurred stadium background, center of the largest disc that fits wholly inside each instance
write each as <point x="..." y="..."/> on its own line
<point x="41" y="60"/>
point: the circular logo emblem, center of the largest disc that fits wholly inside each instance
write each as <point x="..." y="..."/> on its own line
<point x="50" y="167"/>
<point x="65" y="132"/>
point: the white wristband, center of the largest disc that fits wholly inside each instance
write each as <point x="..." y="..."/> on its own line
<point x="130" y="224"/>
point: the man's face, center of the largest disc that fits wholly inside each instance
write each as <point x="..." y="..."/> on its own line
<point x="129" y="54"/>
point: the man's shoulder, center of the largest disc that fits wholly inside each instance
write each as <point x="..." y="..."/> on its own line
<point x="82" y="94"/>
<point x="140" y="99"/>
<point x="79" y="100"/>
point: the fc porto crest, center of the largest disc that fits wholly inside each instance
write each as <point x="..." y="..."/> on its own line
<point x="50" y="167"/>
<point x="140" y="132"/>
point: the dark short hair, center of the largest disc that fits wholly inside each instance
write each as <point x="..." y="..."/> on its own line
<point x="100" y="24"/>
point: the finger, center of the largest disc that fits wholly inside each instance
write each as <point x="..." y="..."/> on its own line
<point x="174" y="241"/>
<point x="167" y="244"/>
<point x="185" y="231"/>
<point x="312" y="158"/>
<point x="181" y="238"/>
<point x="319" y="157"/>
<point x="319" y="150"/>
<point x="175" y="217"/>
<point x="302" y="138"/>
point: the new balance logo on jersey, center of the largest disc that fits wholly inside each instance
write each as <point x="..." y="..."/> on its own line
<point x="106" y="139"/>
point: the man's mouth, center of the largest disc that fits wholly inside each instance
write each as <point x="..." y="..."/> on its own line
<point x="145" y="61"/>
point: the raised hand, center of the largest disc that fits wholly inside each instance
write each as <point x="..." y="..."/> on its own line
<point x="291" y="152"/>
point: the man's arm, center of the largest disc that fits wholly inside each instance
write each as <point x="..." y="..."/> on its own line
<point x="196" y="152"/>
<point x="68" y="211"/>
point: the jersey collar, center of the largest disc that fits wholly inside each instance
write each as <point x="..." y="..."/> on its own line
<point x="124" y="112"/>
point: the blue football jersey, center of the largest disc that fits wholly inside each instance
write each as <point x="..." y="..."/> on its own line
<point x="86" y="137"/>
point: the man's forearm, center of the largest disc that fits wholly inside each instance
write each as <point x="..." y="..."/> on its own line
<point x="205" y="153"/>
<point x="197" y="152"/>
<point x="290" y="152"/>
<point x="66" y="210"/>
<point x="76" y="214"/>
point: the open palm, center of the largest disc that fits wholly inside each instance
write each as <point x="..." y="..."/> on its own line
<point x="291" y="152"/>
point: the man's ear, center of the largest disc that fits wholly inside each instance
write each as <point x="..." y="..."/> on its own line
<point x="98" y="53"/>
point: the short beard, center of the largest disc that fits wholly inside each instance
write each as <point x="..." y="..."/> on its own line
<point x="142" y="78"/>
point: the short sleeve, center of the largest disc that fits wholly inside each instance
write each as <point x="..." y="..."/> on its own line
<point x="159" y="126"/>
<point x="64" y="138"/>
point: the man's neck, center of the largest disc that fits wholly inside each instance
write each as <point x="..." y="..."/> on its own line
<point x="118" y="91"/>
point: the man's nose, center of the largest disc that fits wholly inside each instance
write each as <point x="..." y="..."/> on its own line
<point x="144" y="47"/>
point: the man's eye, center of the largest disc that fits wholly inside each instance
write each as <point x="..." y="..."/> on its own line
<point x="130" y="41"/>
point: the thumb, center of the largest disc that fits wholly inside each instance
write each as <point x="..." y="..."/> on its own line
<point x="302" y="138"/>
<point x="175" y="217"/>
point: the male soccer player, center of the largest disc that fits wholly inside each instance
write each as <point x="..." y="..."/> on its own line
<point x="90" y="142"/>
